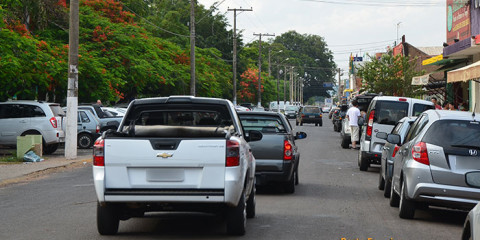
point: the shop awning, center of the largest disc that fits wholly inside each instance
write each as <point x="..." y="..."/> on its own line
<point x="466" y="73"/>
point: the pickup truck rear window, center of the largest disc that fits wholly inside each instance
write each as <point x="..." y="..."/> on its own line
<point x="179" y="121"/>
<point x="265" y="124"/>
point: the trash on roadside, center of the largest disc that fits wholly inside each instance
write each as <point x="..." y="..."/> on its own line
<point x="30" y="156"/>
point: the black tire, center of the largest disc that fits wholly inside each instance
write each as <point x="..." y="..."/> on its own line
<point x="51" y="148"/>
<point x="320" y="124"/>
<point x="345" y="142"/>
<point x="386" y="189"/>
<point x="251" y="203"/>
<point x="297" y="181"/>
<point x="296" y="123"/>
<point x="316" y="124"/>
<point x="381" y="181"/>
<point x="289" y="186"/>
<point x="394" y="198"/>
<point x="301" y="123"/>
<point x="237" y="218"/>
<point x="363" y="163"/>
<point x="107" y="220"/>
<point x="406" y="208"/>
<point x="85" y="140"/>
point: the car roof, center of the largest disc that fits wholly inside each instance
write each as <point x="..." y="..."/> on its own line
<point x="394" y="98"/>
<point x="259" y="113"/>
<point x="454" y="115"/>
<point x="29" y="102"/>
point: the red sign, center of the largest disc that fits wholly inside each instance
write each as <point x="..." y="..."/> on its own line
<point x="458" y="20"/>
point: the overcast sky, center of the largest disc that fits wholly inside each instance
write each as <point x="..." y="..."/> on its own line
<point x="348" y="26"/>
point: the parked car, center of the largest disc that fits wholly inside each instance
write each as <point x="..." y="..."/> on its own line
<point x="382" y="115"/>
<point x="291" y="111"/>
<point x="88" y="128"/>
<point x="431" y="167"/>
<point x="276" y="154"/>
<point x="107" y="120"/>
<point x="389" y="151"/>
<point x="332" y="111"/>
<point x="115" y="112"/>
<point x="20" y="118"/>
<point x="471" y="227"/>
<point x="338" y="117"/>
<point x="309" y="114"/>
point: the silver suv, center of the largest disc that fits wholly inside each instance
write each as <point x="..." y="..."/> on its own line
<point x="19" y="118"/>
<point x="431" y="167"/>
<point x="382" y="115"/>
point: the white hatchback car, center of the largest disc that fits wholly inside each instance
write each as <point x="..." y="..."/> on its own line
<point x="20" y="118"/>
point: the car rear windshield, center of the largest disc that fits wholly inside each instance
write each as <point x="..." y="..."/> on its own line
<point x="57" y="110"/>
<point x="390" y="112"/>
<point x="454" y="134"/>
<point x="179" y="120"/>
<point x="363" y="103"/>
<point x="265" y="124"/>
<point x="311" y="110"/>
<point x="291" y="108"/>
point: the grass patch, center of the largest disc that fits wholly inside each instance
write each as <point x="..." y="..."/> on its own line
<point x="10" y="158"/>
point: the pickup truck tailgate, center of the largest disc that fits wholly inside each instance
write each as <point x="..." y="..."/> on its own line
<point x="190" y="164"/>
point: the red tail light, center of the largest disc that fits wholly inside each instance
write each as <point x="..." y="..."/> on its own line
<point x="53" y="121"/>
<point x="402" y="99"/>
<point x="370" y="123"/>
<point x="395" y="150"/>
<point x="287" y="150"/>
<point x="233" y="154"/>
<point x="98" y="153"/>
<point x="97" y="129"/>
<point x="303" y="115"/>
<point x="419" y="153"/>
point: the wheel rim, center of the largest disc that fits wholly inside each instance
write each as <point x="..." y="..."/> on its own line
<point x="84" y="141"/>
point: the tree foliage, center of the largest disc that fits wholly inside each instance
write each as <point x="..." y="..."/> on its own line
<point x="390" y="75"/>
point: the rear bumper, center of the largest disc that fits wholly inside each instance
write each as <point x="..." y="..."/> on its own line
<point x="312" y="120"/>
<point x="420" y="187"/>
<point x="264" y="177"/>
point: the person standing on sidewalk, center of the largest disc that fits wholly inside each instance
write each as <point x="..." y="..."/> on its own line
<point x="353" y="114"/>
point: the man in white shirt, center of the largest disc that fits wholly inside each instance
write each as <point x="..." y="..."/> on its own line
<point x="352" y="115"/>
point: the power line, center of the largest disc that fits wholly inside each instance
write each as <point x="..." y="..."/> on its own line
<point x="358" y="44"/>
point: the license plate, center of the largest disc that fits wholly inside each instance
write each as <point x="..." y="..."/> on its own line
<point x="312" y="117"/>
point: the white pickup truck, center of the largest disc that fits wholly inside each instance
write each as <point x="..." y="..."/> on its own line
<point x="177" y="153"/>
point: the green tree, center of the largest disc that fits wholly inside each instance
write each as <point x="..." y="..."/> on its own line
<point x="390" y="75"/>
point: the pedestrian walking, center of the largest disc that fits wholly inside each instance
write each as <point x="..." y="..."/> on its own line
<point x="353" y="114"/>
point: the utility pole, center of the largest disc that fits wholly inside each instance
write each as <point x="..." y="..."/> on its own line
<point x="192" y="47"/>
<point x="235" y="50"/>
<point x="285" y="87"/>
<point x="340" y="88"/>
<point x="291" y="85"/>
<point x="260" y="65"/>
<point x="72" y="86"/>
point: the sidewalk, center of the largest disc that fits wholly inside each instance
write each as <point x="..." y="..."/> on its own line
<point x="20" y="172"/>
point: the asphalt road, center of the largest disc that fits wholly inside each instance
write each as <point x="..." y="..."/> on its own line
<point x="334" y="200"/>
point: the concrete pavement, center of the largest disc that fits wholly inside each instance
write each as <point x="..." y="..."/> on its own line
<point x="11" y="173"/>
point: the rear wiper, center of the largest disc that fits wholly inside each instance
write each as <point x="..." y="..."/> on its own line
<point x="466" y="146"/>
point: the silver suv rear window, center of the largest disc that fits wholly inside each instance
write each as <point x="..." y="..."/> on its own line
<point x="390" y="112"/>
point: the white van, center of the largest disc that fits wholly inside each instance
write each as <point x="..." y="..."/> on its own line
<point x="382" y="115"/>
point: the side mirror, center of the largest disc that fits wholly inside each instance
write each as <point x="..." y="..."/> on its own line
<point x="382" y="135"/>
<point x="300" y="135"/>
<point x="394" y="139"/>
<point x="253" y="135"/>
<point x="473" y="179"/>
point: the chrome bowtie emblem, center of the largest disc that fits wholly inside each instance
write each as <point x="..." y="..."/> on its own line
<point x="164" y="155"/>
<point x="473" y="152"/>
